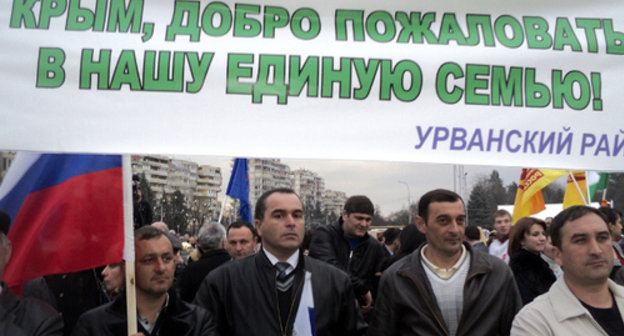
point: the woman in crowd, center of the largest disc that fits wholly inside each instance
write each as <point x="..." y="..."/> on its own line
<point x="526" y="241"/>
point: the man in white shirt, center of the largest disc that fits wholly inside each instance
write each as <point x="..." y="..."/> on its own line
<point x="279" y="290"/>
<point x="500" y="243"/>
<point x="584" y="301"/>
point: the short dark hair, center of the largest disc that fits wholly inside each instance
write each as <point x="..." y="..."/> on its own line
<point x="261" y="202"/>
<point x="522" y="227"/>
<point x="359" y="204"/>
<point x="568" y="215"/>
<point x="472" y="233"/>
<point x="437" y="195"/>
<point x="147" y="232"/>
<point x="500" y="213"/>
<point x="610" y="214"/>
<point x="390" y="235"/>
<point x="242" y="224"/>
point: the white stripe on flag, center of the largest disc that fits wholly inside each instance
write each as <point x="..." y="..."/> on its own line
<point x="19" y="167"/>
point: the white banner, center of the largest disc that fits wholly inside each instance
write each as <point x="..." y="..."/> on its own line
<point x="492" y="82"/>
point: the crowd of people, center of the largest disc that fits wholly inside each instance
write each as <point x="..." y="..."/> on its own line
<point x="436" y="276"/>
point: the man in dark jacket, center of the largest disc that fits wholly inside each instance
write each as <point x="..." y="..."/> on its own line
<point x="444" y="287"/>
<point x="348" y="246"/>
<point x="22" y="317"/>
<point x="279" y="291"/>
<point x="160" y="310"/>
<point x="211" y="243"/>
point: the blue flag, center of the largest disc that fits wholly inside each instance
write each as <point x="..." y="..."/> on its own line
<point x="238" y="187"/>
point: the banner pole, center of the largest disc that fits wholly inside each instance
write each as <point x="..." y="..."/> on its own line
<point x="129" y="245"/>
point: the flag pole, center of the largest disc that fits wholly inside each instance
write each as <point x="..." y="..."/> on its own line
<point x="578" y="189"/>
<point x="129" y="245"/>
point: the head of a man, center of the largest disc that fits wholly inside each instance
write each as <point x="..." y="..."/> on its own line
<point x="242" y="239"/>
<point x="472" y="234"/>
<point x="391" y="238"/>
<point x="175" y="241"/>
<point x="582" y="245"/>
<point x="357" y="216"/>
<point x="279" y="219"/>
<point x="114" y="276"/>
<point x="442" y="218"/>
<point x="211" y="236"/>
<point x="5" y="243"/>
<point x="502" y="223"/>
<point x="155" y="265"/>
<point x="614" y="220"/>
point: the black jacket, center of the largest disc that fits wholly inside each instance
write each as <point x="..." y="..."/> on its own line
<point x="27" y="316"/>
<point x="242" y="296"/>
<point x="406" y="304"/>
<point x="533" y="276"/>
<point x="330" y="245"/>
<point x="195" y="272"/>
<point x="71" y="294"/>
<point x="178" y="318"/>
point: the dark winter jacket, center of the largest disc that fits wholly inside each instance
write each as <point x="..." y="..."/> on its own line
<point x="330" y="245"/>
<point x="406" y="304"/>
<point x="27" y="316"/>
<point x="178" y="318"/>
<point x="195" y="272"/>
<point x="242" y="296"/>
<point x="532" y="274"/>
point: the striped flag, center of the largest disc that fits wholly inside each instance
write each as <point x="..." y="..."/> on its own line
<point x="597" y="181"/>
<point x="66" y="211"/>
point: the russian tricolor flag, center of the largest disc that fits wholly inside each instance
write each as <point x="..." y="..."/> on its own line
<point x="66" y="211"/>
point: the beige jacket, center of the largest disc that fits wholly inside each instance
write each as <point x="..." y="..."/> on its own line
<point x="559" y="312"/>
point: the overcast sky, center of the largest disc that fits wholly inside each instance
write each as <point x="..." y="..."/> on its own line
<point x="379" y="180"/>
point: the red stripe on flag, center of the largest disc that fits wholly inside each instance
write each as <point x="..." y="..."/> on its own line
<point x="69" y="227"/>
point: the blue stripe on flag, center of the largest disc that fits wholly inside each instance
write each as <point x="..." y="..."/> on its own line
<point x="312" y="322"/>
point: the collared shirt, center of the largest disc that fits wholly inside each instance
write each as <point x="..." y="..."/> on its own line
<point x="293" y="260"/>
<point x="444" y="273"/>
<point x="145" y="322"/>
<point x="560" y="312"/>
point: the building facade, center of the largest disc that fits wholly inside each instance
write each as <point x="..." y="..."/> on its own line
<point x="6" y="158"/>
<point x="334" y="202"/>
<point x="200" y="185"/>
<point x="267" y="174"/>
<point x="310" y="188"/>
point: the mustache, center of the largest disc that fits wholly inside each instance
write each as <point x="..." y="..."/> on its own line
<point x="596" y="259"/>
